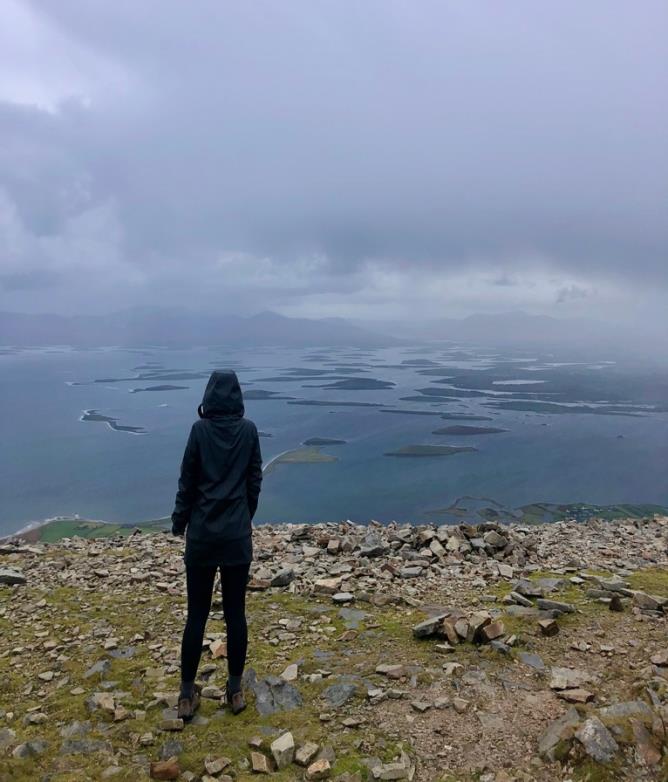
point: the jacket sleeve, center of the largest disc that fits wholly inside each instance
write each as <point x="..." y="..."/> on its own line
<point x="185" y="496"/>
<point x="254" y="475"/>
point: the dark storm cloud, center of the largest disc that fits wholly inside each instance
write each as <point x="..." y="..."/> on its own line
<point x="429" y="138"/>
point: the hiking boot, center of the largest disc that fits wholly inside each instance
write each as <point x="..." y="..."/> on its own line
<point x="235" y="700"/>
<point x="188" y="706"/>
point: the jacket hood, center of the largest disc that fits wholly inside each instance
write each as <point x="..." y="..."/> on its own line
<point x="222" y="396"/>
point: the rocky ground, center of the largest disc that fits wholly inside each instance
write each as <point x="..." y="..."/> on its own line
<point x="379" y="652"/>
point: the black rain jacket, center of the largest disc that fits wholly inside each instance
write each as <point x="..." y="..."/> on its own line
<point x="221" y="472"/>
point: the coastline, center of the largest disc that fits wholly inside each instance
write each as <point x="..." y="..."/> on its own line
<point x="32" y="531"/>
<point x="55" y="528"/>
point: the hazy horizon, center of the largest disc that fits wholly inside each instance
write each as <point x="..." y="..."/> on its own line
<point x="384" y="161"/>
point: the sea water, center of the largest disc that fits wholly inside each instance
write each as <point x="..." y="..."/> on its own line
<point x="54" y="463"/>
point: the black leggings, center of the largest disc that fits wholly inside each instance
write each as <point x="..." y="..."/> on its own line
<point x="200" y="580"/>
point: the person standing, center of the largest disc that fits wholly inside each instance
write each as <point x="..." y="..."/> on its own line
<point x="218" y="492"/>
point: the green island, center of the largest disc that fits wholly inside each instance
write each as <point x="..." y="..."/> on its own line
<point x="303" y="455"/>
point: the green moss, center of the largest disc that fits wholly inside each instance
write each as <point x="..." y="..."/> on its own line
<point x="349" y="765"/>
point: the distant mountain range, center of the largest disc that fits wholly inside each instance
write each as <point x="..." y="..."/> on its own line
<point x="517" y="328"/>
<point x="173" y="328"/>
<point x="523" y="330"/>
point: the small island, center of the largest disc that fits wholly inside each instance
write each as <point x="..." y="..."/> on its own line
<point x="465" y="417"/>
<point x="328" y="403"/>
<point x="323" y="441"/>
<point x="303" y="455"/>
<point x="158" y="388"/>
<point x="420" y="451"/>
<point x="112" y="423"/>
<point x="257" y="394"/>
<point x="468" y="430"/>
<point x="411" y="412"/>
<point x="358" y="384"/>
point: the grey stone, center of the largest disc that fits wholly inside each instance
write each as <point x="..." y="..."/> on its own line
<point x="373" y="546"/>
<point x="558" y="736"/>
<point x="291" y="672"/>
<point x="646" y="602"/>
<point x="528" y="588"/>
<point x="522" y="612"/>
<point x="7" y="738"/>
<point x="100" y="667"/>
<point x="272" y="694"/>
<point x="613" y="584"/>
<point x="306" y="753"/>
<point x="429" y="626"/>
<point x="170" y="748"/>
<point x="352" y="617"/>
<point x="532" y="660"/>
<point x="283" y="578"/>
<point x="79" y="746"/>
<point x="492" y="538"/>
<point x="338" y="694"/>
<point x="327" y="753"/>
<point x="75" y="729"/>
<point x="568" y="678"/>
<point x="597" y="740"/>
<point x="555" y="605"/>
<point x="30" y="749"/>
<point x="551" y="584"/>
<point x="343" y="597"/>
<point x="516" y="597"/>
<point x="11" y="576"/>
<point x="125" y="653"/>
<point x="283" y="750"/>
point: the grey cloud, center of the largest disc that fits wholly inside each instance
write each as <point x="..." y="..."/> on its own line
<point x="571" y="293"/>
<point x="29" y="281"/>
<point x="428" y="137"/>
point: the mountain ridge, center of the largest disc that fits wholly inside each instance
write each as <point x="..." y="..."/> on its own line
<point x="182" y="328"/>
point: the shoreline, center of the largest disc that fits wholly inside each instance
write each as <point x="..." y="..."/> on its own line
<point x="575" y="512"/>
<point x="32" y="527"/>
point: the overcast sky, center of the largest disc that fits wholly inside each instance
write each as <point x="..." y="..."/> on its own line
<point x="368" y="159"/>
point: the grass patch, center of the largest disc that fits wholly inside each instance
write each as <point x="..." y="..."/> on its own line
<point x="590" y="771"/>
<point x="652" y="580"/>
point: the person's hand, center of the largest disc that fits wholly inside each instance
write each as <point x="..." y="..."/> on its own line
<point x="177" y="531"/>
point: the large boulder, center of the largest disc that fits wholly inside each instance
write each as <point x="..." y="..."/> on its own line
<point x="11" y="576"/>
<point x="597" y="740"/>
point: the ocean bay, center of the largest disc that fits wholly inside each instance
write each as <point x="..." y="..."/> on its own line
<point x="612" y="449"/>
